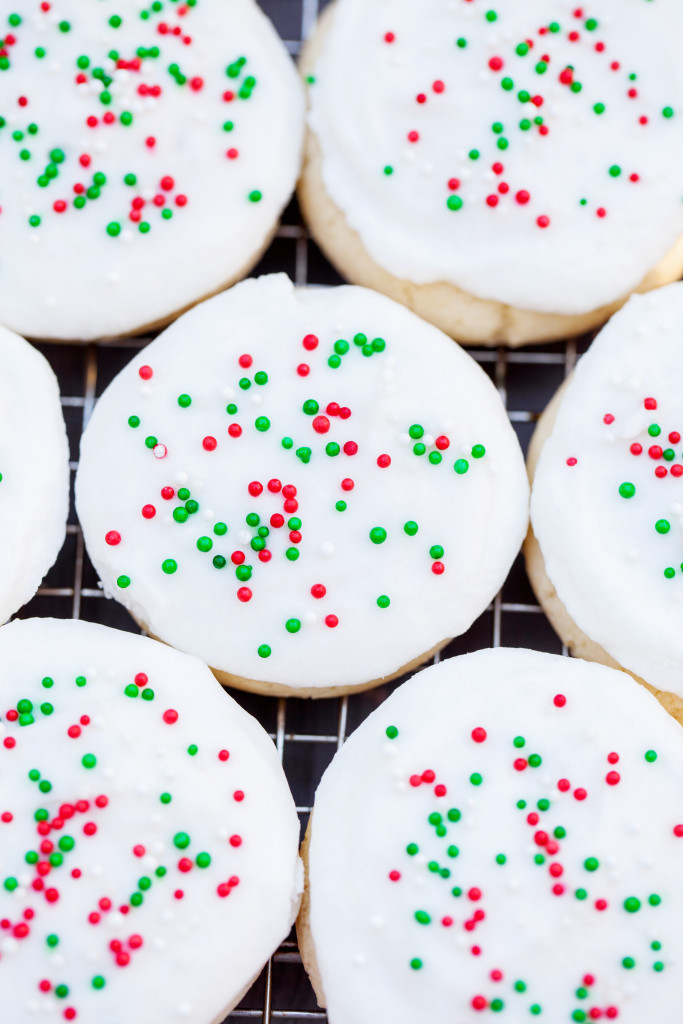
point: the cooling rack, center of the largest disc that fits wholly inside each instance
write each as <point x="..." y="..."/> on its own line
<point x="306" y="733"/>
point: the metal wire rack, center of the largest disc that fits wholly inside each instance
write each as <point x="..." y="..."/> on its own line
<point x="306" y="733"/>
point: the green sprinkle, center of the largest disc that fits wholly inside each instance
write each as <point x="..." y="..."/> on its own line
<point x="203" y="860"/>
<point x="591" y="864"/>
<point x="169" y="566"/>
<point x="416" y="963"/>
<point x="264" y="651"/>
<point x="378" y="535"/>
<point x="184" y="401"/>
<point x="422" y="917"/>
<point x="627" y="490"/>
<point x="98" y="982"/>
<point x="293" y="625"/>
<point x="662" y="526"/>
<point x="454" y="202"/>
<point x="650" y="756"/>
<point x="476" y="779"/>
<point x="632" y="904"/>
<point x="461" y="466"/>
<point x="392" y="732"/>
<point x="89" y="761"/>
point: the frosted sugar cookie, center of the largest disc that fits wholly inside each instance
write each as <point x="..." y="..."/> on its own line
<point x="148" y="840"/>
<point x="311" y="490"/>
<point x="146" y="153"/>
<point x="607" y="506"/>
<point x="502" y="836"/>
<point x="509" y="171"/>
<point x="34" y="471"/>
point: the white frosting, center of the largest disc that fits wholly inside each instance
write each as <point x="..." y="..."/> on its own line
<point x="417" y="377"/>
<point x="34" y="464"/>
<point x="198" y="950"/>
<point x="367" y="812"/>
<point x="364" y="106"/>
<point x="603" y="552"/>
<point x="67" y="277"/>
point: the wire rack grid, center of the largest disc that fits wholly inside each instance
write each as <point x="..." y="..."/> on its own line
<point x="306" y="733"/>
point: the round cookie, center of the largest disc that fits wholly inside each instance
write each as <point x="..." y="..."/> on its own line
<point x="607" y="498"/>
<point x="509" y="177"/>
<point x="146" y="153"/>
<point x="34" y="471"/>
<point x="502" y="835"/>
<point x="311" y="490"/>
<point x="148" y="839"/>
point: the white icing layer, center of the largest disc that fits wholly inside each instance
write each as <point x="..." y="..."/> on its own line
<point x="619" y="577"/>
<point x="527" y="911"/>
<point x="34" y="466"/>
<point x="408" y="375"/>
<point x="419" y="104"/>
<point x="179" y="78"/>
<point x="119" y="857"/>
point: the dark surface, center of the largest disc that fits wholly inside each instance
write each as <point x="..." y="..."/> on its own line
<point x="307" y="733"/>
